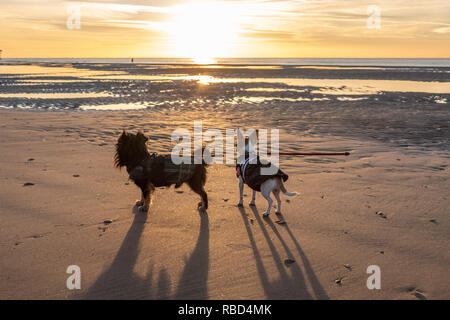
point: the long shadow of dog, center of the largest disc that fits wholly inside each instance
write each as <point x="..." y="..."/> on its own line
<point x="194" y="278"/>
<point x="289" y="285"/>
<point x="119" y="281"/>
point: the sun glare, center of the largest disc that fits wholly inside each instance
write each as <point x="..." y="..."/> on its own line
<point x="204" y="31"/>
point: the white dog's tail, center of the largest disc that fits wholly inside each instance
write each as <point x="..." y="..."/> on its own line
<point x="283" y="189"/>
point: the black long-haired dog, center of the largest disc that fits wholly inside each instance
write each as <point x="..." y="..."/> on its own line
<point x="149" y="171"/>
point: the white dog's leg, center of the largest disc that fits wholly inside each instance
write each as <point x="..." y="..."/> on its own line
<point x="241" y="192"/>
<point x="266" y="188"/>
<point x="276" y="193"/>
<point x="252" y="203"/>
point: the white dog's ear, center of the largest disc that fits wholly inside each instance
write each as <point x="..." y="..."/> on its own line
<point x="249" y="145"/>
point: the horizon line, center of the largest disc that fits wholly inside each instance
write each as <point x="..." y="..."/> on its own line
<point x="224" y="58"/>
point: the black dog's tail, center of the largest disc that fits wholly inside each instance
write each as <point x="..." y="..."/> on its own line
<point x="203" y="158"/>
<point x="200" y="169"/>
<point x="203" y="173"/>
<point x="197" y="183"/>
<point x="203" y="168"/>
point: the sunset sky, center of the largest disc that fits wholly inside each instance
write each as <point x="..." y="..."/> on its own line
<point x="235" y="28"/>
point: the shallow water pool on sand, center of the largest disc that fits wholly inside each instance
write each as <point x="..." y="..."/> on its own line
<point x="336" y="86"/>
<point x="114" y="107"/>
<point x="131" y="87"/>
<point x="56" y="95"/>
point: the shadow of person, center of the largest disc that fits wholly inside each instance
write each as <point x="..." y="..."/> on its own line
<point x="291" y="281"/>
<point x="119" y="281"/>
<point x="193" y="283"/>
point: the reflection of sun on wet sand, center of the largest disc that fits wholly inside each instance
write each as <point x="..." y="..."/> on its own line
<point x="59" y="185"/>
<point x="110" y="86"/>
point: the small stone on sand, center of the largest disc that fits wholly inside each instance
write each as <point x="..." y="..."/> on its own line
<point x="419" y="295"/>
<point x="288" y="262"/>
<point x="26" y="184"/>
<point x="381" y="214"/>
<point x="107" y="221"/>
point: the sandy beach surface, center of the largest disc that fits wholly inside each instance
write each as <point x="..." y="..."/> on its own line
<point x="58" y="186"/>
<point x="230" y="253"/>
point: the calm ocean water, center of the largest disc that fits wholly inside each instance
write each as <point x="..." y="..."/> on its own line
<point x="258" y="61"/>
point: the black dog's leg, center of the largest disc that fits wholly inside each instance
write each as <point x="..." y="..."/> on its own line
<point x="147" y="191"/>
<point x="204" y="196"/>
<point x="140" y="203"/>
<point x="197" y="187"/>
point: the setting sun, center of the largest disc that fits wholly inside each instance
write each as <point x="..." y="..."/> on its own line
<point x="203" y="31"/>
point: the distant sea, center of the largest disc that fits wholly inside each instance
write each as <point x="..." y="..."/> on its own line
<point x="255" y="61"/>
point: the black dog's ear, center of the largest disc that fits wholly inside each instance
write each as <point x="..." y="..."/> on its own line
<point x="123" y="135"/>
<point x="142" y="136"/>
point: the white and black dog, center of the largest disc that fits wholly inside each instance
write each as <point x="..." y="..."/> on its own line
<point x="249" y="173"/>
